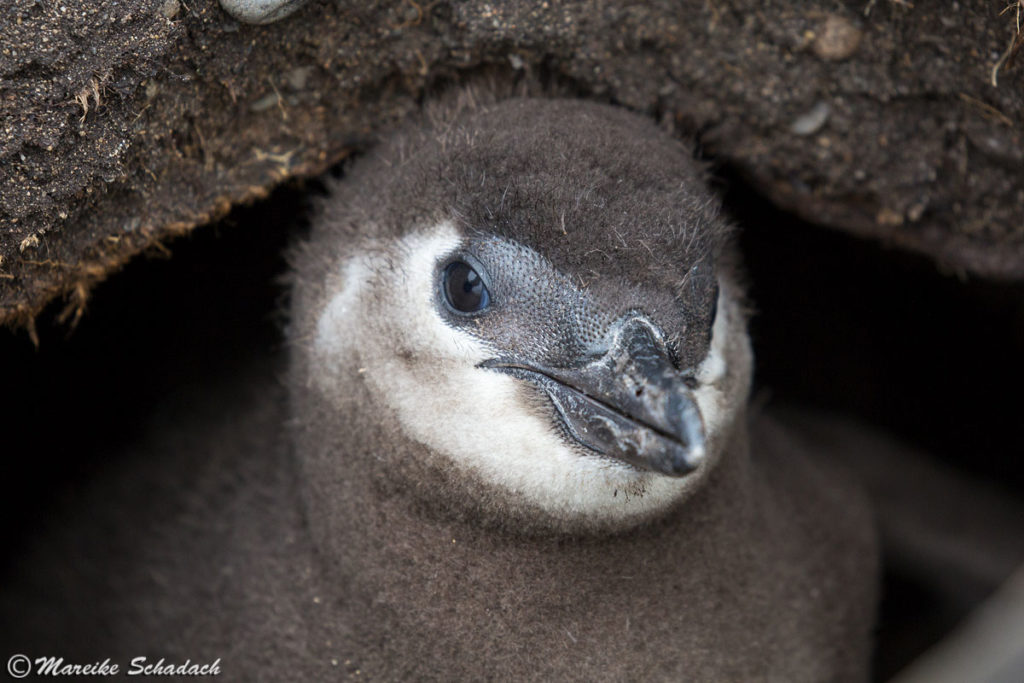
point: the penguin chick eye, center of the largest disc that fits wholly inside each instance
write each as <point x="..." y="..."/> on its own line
<point x="464" y="290"/>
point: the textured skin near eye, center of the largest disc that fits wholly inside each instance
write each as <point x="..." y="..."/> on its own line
<point x="540" y="312"/>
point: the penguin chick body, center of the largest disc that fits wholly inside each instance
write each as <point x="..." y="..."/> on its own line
<point x="519" y="394"/>
<point x="518" y="443"/>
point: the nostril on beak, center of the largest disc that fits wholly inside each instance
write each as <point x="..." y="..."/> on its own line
<point x="637" y="332"/>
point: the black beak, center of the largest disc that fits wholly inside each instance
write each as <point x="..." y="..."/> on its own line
<point x="631" y="403"/>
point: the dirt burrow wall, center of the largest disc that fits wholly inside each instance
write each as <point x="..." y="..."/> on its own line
<point x="123" y="123"/>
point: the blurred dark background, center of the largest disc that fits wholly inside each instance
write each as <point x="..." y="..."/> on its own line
<point x="840" y="324"/>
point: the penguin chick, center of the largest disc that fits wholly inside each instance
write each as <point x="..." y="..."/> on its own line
<point x="517" y="447"/>
<point x="519" y="383"/>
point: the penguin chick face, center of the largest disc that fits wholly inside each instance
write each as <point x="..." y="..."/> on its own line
<point x="595" y="396"/>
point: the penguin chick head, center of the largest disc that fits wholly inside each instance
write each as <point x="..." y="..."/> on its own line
<point x="529" y="304"/>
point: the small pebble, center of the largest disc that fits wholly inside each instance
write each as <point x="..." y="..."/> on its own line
<point x="170" y="8"/>
<point x="260" y="11"/>
<point x="890" y="217"/>
<point x="812" y="121"/>
<point x="298" y="76"/>
<point x="837" y="38"/>
<point x="264" y="103"/>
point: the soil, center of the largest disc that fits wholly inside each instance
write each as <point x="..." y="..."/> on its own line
<point x="124" y="124"/>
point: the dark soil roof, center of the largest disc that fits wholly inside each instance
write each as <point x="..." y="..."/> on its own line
<point x="123" y="123"/>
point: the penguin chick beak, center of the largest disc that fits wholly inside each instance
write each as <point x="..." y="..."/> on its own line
<point x="629" y="403"/>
